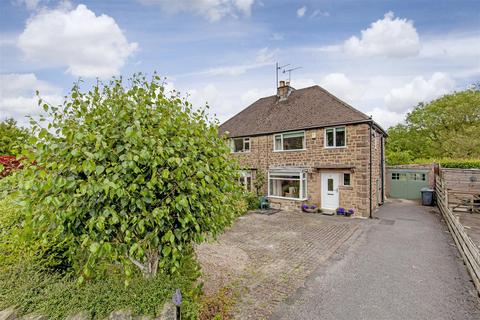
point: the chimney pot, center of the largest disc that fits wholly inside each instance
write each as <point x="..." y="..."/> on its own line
<point x="284" y="90"/>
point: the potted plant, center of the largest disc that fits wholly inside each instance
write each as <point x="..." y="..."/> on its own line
<point x="309" y="208"/>
<point x="349" y="212"/>
<point x="341" y="211"/>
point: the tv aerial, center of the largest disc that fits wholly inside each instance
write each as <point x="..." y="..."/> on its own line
<point x="290" y="72"/>
<point x="277" y="67"/>
<point x="284" y="71"/>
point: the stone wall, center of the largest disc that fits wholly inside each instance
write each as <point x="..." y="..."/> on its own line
<point x="354" y="159"/>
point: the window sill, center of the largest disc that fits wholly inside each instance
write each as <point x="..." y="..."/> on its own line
<point x="286" y="198"/>
<point x="293" y="150"/>
<point x="335" y="147"/>
<point x="239" y="152"/>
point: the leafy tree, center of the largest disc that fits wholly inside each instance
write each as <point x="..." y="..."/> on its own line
<point x="129" y="175"/>
<point x="11" y="137"/>
<point x="446" y="127"/>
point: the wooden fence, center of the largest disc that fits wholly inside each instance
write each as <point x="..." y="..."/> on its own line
<point x="468" y="249"/>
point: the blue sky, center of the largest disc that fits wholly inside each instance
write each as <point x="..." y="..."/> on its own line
<point x="382" y="57"/>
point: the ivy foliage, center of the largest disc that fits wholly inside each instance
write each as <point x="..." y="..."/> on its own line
<point x="130" y="175"/>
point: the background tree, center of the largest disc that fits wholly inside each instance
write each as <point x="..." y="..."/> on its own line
<point x="11" y="137"/>
<point x="129" y="175"/>
<point x="446" y="127"/>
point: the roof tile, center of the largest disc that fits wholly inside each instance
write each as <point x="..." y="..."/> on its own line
<point x="305" y="108"/>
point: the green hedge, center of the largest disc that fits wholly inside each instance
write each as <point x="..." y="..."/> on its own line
<point x="449" y="163"/>
<point x="464" y="164"/>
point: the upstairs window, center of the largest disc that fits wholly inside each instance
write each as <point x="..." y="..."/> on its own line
<point x="240" y="145"/>
<point x="335" y="137"/>
<point x="289" y="141"/>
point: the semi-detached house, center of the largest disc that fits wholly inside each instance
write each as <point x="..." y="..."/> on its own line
<point x="313" y="148"/>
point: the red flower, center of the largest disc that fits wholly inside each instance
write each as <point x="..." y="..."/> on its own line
<point x="9" y="164"/>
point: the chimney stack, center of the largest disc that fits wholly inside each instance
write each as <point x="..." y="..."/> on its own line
<point x="284" y="90"/>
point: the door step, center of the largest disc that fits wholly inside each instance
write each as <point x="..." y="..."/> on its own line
<point x="328" y="212"/>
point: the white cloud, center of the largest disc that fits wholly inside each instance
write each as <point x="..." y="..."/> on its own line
<point x="17" y="95"/>
<point x="213" y="10"/>
<point x="252" y="95"/>
<point x="89" y="45"/>
<point x="386" y="118"/>
<point x="301" y="11"/>
<point x="29" y="4"/>
<point x="319" y="13"/>
<point x="221" y="101"/>
<point x="244" y="6"/>
<point x="266" y="55"/>
<point x="277" y="36"/>
<point x="263" y="57"/>
<point x="341" y="86"/>
<point x="390" y="37"/>
<point x="209" y="94"/>
<point x="451" y="46"/>
<point x="418" y="90"/>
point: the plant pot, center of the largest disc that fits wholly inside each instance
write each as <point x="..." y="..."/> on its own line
<point x="310" y="210"/>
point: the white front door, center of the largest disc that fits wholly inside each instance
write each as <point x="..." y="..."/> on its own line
<point x="329" y="190"/>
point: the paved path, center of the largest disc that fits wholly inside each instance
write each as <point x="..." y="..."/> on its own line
<point x="402" y="266"/>
<point x="266" y="258"/>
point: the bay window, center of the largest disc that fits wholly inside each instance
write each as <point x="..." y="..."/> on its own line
<point x="287" y="184"/>
<point x="289" y="141"/>
<point x="335" y="137"/>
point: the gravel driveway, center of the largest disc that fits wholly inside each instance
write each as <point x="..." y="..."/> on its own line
<point x="266" y="258"/>
<point x="402" y="266"/>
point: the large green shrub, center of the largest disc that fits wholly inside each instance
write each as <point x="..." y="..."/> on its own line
<point x="20" y="247"/>
<point x="447" y="127"/>
<point x="11" y="137"/>
<point x="130" y="175"/>
<point x="252" y="200"/>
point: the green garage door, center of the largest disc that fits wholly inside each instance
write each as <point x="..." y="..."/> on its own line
<point x="406" y="184"/>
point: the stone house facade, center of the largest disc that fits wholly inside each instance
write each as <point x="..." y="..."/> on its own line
<point x="312" y="149"/>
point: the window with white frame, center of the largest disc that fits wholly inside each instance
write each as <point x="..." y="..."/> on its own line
<point x="289" y="141"/>
<point x="335" y="137"/>
<point x="240" y="144"/>
<point x="246" y="179"/>
<point x="287" y="184"/>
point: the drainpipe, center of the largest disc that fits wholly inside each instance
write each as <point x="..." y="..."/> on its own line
<point x="370" y="166"/>
<point x="382" y="166"/>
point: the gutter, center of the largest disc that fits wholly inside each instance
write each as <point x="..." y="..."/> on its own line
<point x="310" y="127"/>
